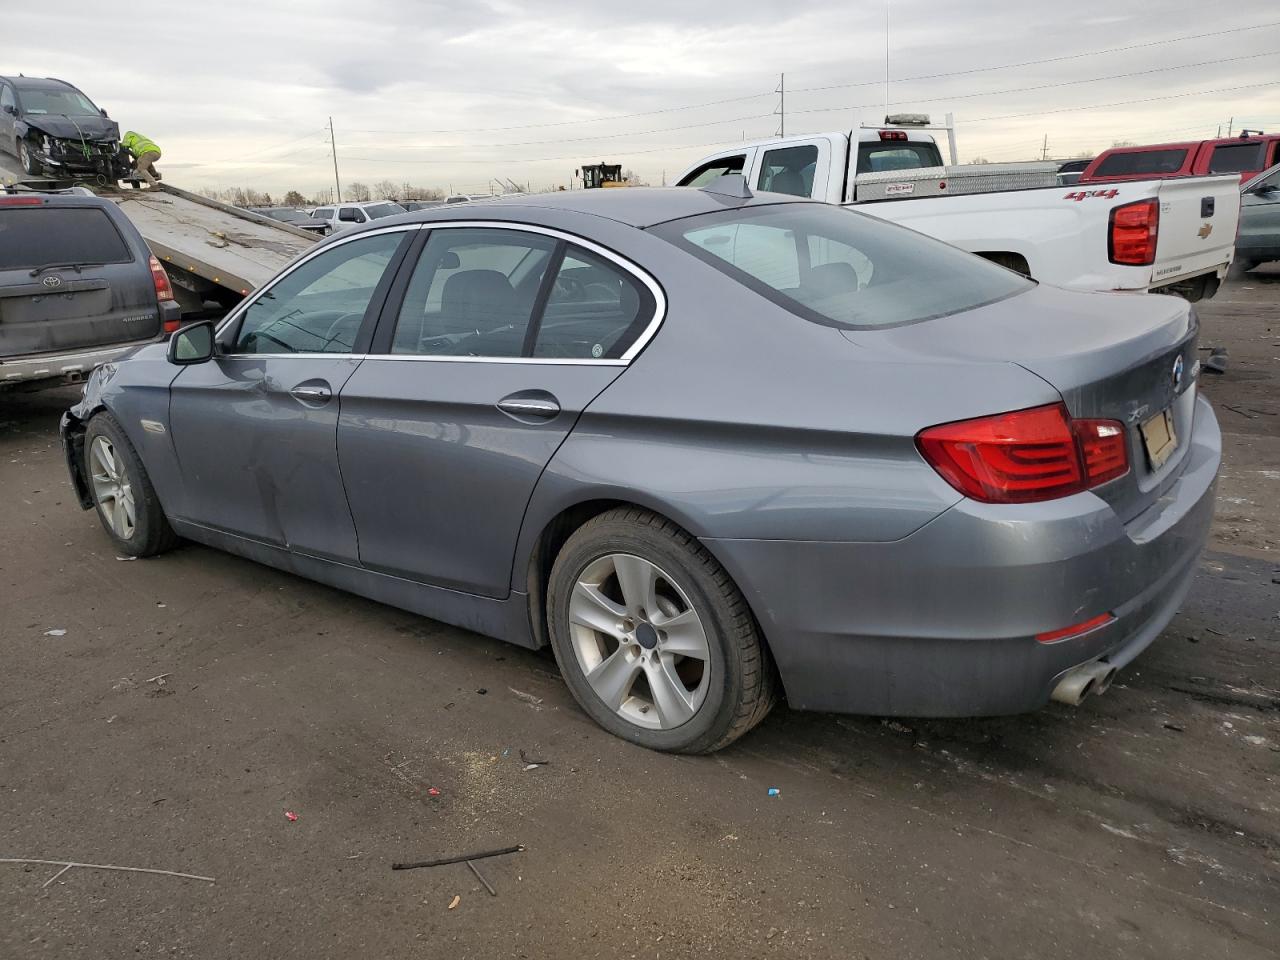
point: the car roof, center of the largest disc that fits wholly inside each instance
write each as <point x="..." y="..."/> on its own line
<point x="39" y="83"/>
<point x="635" y="206"/>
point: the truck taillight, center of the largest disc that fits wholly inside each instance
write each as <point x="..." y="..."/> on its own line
<point x="1027" y="455"/>
<point x="1131" y="239"/>
<point x="893" y="135"/>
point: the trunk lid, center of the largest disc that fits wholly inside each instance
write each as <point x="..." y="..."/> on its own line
<point x="1125" y="357"/>
<point x="70" y="281"/>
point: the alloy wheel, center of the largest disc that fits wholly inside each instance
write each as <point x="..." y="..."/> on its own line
<point x="112" y="489"/>
<point x="639" y="641"/>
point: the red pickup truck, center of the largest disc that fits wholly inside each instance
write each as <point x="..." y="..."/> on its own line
<point x="1248" y="154"/>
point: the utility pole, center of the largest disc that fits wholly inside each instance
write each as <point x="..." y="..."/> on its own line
<point x="781" y="90"/>
<point x="1230" y="125"/>
<point x="333" y="144"/>
<point x="886" y="59"/>
<point x="1044" y="150"/>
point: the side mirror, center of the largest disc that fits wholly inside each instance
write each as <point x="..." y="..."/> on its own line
<point x="103" y="112"/>
<point x="192" y="344"/>
<point x="10" y="109"/>
<point x="1264" y="189"/>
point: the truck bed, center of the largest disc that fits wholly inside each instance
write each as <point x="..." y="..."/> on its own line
<point x="225" y="245"/>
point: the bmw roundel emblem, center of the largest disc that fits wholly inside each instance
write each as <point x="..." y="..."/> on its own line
<point x="1177" y="372"/>
<point x="52" y="281"/>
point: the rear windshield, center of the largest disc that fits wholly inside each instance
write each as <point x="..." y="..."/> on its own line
<point x="1237" y="158"/>
<point x="842" y="268"/>
<point x="56" y="236"/>
<point x="897" y="155"/>
<point x="1141" y="162"/>
<point x="379" y="210"/>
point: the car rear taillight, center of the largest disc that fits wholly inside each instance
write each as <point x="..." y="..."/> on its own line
<point x="1076" y="630"/>
<point x="21" y="201"/>
<point x="1132" y="237"/>
<point x="893" y="135"/>
<point x="1025" y="456"/>
<point x="164" y="291"/>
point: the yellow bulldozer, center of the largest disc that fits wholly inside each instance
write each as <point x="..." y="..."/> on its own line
<point x="602" y="175"/>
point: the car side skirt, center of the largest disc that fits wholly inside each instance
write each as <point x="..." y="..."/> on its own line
<point x="503" y="619"/>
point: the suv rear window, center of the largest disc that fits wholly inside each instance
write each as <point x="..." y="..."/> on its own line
<point x="1133" y="163"/>
<point x="53" y="236"/>
<point x="840" y="268"/>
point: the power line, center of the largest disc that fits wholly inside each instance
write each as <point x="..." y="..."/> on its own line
<point x="1043" y="86"/>
<point x="498" y="160"/>
<point x="565" y="123"/>
<point x="1121" y="103"/>
<point x="603" y="136"/>
<point x="1032" y="63"/>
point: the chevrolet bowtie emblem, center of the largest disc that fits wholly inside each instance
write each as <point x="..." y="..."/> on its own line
<point x="1205" y="230"/>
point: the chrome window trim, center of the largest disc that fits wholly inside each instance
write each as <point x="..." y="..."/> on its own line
<point x="647" y="334"/>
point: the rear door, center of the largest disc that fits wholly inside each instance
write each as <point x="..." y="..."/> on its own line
<point x="255" y="427"/>
<point x="495" y="340"/>
<point x="69" y="280"/>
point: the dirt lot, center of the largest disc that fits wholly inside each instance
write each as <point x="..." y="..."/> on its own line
<point x="1144" y="824"/>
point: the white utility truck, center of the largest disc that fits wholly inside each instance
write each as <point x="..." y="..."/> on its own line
<point x="1166" y="236"/>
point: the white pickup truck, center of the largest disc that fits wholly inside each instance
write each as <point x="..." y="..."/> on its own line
<point x="1168" y="236"/>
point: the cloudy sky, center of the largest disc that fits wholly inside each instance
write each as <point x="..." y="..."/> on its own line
<point x="458" y="95"/>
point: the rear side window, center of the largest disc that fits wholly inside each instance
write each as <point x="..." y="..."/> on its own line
<point x="473" y="293"/>
<point x="380" y="210"/>
<point x="319" y="306"/>
<point x="595" y="310"/>
<point x="789" y="170"/>
<point x="55" y="236"/>
<point x="897" y="155"/>
<point x="1141" y="162"/>
<point x="714" y="170"/>
<point x="840" y="268"/>
<point x="1237" y="157"/>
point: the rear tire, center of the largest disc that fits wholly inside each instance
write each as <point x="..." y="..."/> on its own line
<point x="124" y="499"/>
<point x="672" y="661"/>
<point x="1239" y="268"/>
<point x="30" y="165"/>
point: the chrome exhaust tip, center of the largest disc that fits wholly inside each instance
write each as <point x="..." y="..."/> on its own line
<point x="1079" y="682"/>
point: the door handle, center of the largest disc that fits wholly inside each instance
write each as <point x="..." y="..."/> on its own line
<point x="312" y="394"/>
<point x="530" y="408"/>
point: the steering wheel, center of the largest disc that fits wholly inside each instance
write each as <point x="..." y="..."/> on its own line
<point x="331" y="335"/>
<point x="570" y="288"/>
<point x="260" y="335"/>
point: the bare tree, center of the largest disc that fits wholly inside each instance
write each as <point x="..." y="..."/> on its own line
<point x="410" y="192"/>
<point x="322" y="196"/>
<point x="1124" y="143"/>
<point x="979" y="160"/>
<point x="359" y="192"/>
<point x="385" y="190"/>
<point x="633" y="178"/>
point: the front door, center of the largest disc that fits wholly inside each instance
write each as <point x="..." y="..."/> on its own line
<point x="1259" y="236"/>
<point x="478" y="372"/>
<point x="255" y="428"/>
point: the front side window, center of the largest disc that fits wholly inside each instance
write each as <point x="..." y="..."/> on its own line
<point x="472" y="293"/>
<point x="319" y="306"/>
<point x="324" y="213"/>
<point x="714" y="170"/>
<point x="840" y="268"/>
<point x="1237" y="157"/>
<point x="6" y="97"/>
<point x="789" y="170"/>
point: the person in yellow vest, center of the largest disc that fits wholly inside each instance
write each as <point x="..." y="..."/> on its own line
<point x="144" y="153"/>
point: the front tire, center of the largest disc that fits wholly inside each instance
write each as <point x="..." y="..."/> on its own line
<point x="653" y="638"/>
<point x="30" y="165"/>
<point x="125" y="501"/>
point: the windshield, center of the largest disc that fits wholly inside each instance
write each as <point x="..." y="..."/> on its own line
<point x="70" y="103"/>
<point x="379" y="210"/>
<point x="897" y="155"/>
<point x="842" y="268"/>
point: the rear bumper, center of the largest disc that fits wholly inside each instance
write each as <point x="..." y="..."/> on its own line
<point x="69" y="367"/>
<point x="943" y="622"/>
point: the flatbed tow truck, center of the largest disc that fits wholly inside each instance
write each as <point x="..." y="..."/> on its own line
<point x="215" y="254"/>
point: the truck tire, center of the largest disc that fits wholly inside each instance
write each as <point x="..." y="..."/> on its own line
<point x="1239" y="267"/>
<point x="123" y="497"/>
<point x="692" y="687"/>
<point x="27" y="159"/>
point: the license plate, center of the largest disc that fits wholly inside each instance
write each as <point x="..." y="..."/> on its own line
<point x="1160" y="439"/>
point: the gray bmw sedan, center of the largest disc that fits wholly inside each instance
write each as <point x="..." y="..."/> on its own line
<point x="711" y="447"/>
